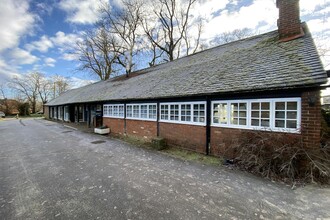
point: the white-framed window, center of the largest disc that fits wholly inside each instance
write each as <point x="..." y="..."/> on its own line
<point x="278" y="114"/>
<point x="66" y="113"/>
<point x="164" y="112"/>
<point x="145" y="111"/>
<point x="183" y="112"/>
<point x="113" y="110"/>
<point x="60" y="113"/>
<point x="55" y="112"/>
<point x="286" y="114"/>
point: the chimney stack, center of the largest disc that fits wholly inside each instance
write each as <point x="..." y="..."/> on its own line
<point x="289" y="25"/>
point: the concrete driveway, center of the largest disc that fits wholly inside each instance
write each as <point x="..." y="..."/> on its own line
<point x="48" y="171"/>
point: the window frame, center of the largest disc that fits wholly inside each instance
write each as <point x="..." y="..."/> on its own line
<point x="139" y="105"/>
<point x="179" y="121"/>
<point x="107" y="107"/>
<point x="249" y="125"/>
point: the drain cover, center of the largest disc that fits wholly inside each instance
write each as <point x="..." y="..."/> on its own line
<point x="97" y="142"/>
<point x="66" y="131"/>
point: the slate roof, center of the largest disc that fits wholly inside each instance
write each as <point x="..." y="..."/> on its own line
<point x="257" y="63"/>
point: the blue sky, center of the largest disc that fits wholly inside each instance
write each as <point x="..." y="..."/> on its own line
<point x="37" y="35"/>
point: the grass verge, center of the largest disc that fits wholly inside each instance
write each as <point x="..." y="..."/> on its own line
<point x="175" y="152"/>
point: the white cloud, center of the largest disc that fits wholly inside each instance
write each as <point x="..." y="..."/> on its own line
<point x="63" y="40"/>
<point x="309" y="6"/>
<point x="7" y="72"/>
<point x="2" y="63"/>
<point x="319" y="25"/>
<point x="207" y="7"/>
<point x="50" y="61"/>
<point x="77" y="82"/>
<point x="246" y="17"/>
<point x="15" y="22"/>
<point x="81" y="11"/>
<point x="20" y="57"/>
<point x="42" y="45"/>
<point x="70" y="56"/>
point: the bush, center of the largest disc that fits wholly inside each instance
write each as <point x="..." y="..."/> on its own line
<point x="24" y="109"/>
<point x="282" y="156"/>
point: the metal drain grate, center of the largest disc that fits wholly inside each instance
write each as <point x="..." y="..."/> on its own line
<point x="97" y="142"/>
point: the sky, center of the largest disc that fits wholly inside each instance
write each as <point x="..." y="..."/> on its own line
<point x="38" y="35"/>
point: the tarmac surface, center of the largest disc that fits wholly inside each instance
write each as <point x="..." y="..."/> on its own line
<point x="49" y="171"/>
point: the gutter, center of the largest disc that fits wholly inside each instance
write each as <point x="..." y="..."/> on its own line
<point x="208" y="125"/>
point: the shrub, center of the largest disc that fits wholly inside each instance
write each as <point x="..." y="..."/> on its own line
<point x="282" y="156"/>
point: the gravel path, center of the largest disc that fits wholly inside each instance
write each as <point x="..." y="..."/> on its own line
<point x="48" y="171"/>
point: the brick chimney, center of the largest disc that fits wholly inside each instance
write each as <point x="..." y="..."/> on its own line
<point x="288" y="23"/>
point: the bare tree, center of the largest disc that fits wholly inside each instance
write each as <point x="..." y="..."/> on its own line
<point x="59" y="85"/>
<point x="97" y="53"/>
<point x="28" y="87"/>
<point x="190" y="47"/>
<point x="5" y="105"/>
<point x="230" y="36"/>
<point x="171" y="26"/>
<point x="43" y="88"/>
<point x="124" y="24"/>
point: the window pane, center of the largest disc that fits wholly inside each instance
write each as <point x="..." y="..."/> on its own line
<point x="242" y="106"/>
<point x="255" y="106"/>
<point x="292" y="105"/>
<point x="280" y="106"/>
<point x="242" y="114"/>
<point x="234" y="121"/>
<point x="255" y="114"/>
<point x="265" y="123"/>
<point x="242" y="121"/>
<point x="291" y="124"/>
<point x="265" y="114"/>
<point x="255" y="122"/>
<point x="279" y="123"/>
<point x="265" y="106"/>
<point x="280" y="114"/>
<point x="291" y="115"/>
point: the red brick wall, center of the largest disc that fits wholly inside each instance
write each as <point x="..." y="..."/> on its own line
<point x="116" y="125"/>
<point x="222" y="139"/>
<point x="311" y="118"/>
<point x="190" y="137"/>
<point x="289" y="19"/>
<point x="139" y="128"/>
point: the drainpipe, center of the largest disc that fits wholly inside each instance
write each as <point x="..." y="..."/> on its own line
<point x="158" y="113"/>
<point x="124" y="118"/>
<point x="208" y="125"/>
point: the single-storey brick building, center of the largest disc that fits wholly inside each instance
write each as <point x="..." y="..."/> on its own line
<point x="270" y="82"/>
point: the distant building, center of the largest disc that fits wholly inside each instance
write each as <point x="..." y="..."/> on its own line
<point x="9" y="106"/>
